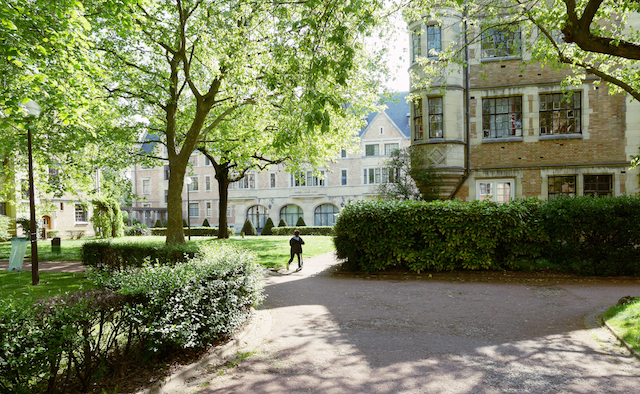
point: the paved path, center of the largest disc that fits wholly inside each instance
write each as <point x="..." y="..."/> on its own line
<point x="53" y="266"/>
<point x="326" y="334"/>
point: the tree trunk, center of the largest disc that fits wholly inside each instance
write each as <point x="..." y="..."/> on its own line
<point x="175" y="229"/>
<point x="222" y="176"/>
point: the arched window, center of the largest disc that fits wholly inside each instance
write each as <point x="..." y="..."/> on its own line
<point x="291" y="213"/>
<point x="258" y="215"/>
<point x="325" y="215"/>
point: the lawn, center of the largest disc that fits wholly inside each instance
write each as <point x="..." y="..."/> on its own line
<point x="13" y="284"/>
<point x="625" y="320"/>
<point x="272" y="251"/>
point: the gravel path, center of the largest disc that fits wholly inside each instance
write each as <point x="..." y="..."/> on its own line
<point x="325" y="333"/>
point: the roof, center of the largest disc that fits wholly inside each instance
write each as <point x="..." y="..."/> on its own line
<point x="398" y="111"/>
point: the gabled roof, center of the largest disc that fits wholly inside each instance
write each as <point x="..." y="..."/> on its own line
<point x="398" y="111"/>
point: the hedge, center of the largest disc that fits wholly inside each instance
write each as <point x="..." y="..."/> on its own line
<point x="65" y="343"/>
<point x="248" y="228"/>
<point x="105" y="255"/>
<point x="195" y="231"/>
<point x="593" y="236"/>
<point x="441" y="235"/>
<point x="584" y="235"/>
<point x="318" y="230"/>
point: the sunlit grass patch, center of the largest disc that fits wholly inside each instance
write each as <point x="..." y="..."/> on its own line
<point x="18" y="285"/>
<point x="625" y="320"/>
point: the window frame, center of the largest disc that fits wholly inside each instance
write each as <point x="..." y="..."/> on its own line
<point x="436" y="117"/>
<point x="596" y="192"/>
<point x="495" y="196"/>
<point x="563" y="103"/>
<point x="505" y="35"/>
<point x="289" y="211"/>
<point x="322" y="217"/>
<point x="193" y="186"/>
<point x="557" y="194"/>
<point x="432" y="42"/>
<point x="508" y="111"/>
<point x="190" y="207"/>
<point x="207" y="183"/>
<point x="416" y="44"/>
<point x="146" y="185"/>
<point x="388" y="152"/>
<point x="343" y="177"/>
<point x="80" y="208"/>
<point x="418" y="128"/>
<point x="374" y="147"/>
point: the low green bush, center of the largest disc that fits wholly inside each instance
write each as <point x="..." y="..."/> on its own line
<point x="267" y="229"/>
<point x="65" y="343"/>
<point x="249" y="228"/>
<point x="104" y="255"/>
<point x="138" y="229"/>
<point x="593" y="236"/>
<point x="195" y="231"/>
<point x="317" y="230"/>
<point x="300" y="222"/>
<point x="192" y="303"/>
<point x="283" y="223"/>
<point x="440" y="235"/>
<point x="206" y="223"/>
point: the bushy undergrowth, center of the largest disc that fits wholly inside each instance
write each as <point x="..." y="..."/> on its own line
<point x="306" y="230"/>
<point x="69" y="342"/>
<point x="117" y="256"/>
<point x="584" y="235"/>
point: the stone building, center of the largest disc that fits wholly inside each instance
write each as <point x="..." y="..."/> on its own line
<point x="275" y="192"/>
<point x="527" y="135"/>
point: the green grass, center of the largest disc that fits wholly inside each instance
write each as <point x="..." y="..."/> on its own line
<point x="273" y="251"/>
<point x="625" y="320"/>
<point x="13" y="284"/>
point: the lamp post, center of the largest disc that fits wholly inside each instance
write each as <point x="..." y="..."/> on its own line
<point x="188" y="182"/>
<point x="33" y="110"/>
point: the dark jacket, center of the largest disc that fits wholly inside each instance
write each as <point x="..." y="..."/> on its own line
<point x="296" y="245"/>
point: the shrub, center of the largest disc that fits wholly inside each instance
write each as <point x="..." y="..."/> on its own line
<point x="194" y="302"/>
<point x="137" y="229"/>
<point x="441" y="235"/>
<point x="266" y="230"/>
<point x="52" y="233"/>
<point x="107" y="218"/>
<point x="593" y="236"/>
<point x="317" y="230"/>
<point x="64" y="343"/>
<point x="300" y="222"/>
<point x="108" y="256"/>
<point x="249" y="228"/>
<point x="283" y="223"/>
<point x="184" y="223"/>
<point x="205" y="223"/>
<point x="158" y="223"/>
<point x="5" y="223"/>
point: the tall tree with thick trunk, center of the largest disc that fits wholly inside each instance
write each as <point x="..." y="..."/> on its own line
<point x="186" y="67"/>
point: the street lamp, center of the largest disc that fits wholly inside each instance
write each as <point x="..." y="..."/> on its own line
<point x="33" y="110"/>
<point x="188" y="182"/>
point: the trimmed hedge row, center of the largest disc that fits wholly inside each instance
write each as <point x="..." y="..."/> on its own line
<point x="105" y="255"/>
<point x="585" y="235"/>
<point x="306" y="230"/>
<point x="66" y="343"/>
<point x="195" y="231"/>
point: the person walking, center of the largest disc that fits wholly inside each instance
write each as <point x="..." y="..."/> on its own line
<point x="296" y="243"/>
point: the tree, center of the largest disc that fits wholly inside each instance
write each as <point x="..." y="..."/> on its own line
<point x="585" y="36"/>
<point x="46" y="56"/>
<point x="409" y="176"/>
<point x="188" y="66"/>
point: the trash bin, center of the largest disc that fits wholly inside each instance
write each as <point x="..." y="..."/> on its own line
<point x="55" y="245"/>
<point x="18" y="250"/>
